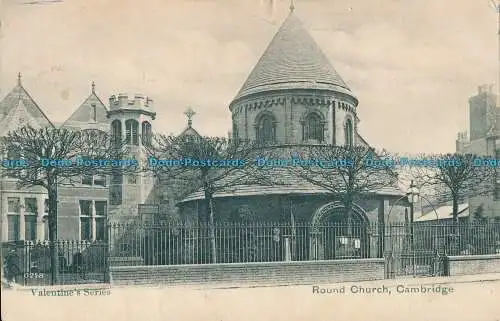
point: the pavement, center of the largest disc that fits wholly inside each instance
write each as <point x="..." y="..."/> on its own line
<point x="488" y="277"/>
<point x="467" y="298"/>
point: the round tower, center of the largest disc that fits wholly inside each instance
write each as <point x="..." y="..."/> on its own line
<point x="294" y="95"/>
<point x="130" y="120"/>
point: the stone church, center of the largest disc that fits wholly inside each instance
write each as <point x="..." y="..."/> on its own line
<point x="293" y="96"/>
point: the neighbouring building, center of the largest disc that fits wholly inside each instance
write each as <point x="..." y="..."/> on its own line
<point x="84" y="206"/>
<point x="483" y="141"/>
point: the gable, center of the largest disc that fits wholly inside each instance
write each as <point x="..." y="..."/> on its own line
<point x="16" y="119"/>
<point x="19" y="109"/>
<point x="190" y="131"/>
<point x="85" y="116"/>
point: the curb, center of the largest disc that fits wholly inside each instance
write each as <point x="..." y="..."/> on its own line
<point x="493" y="277"/>
<point x="407" y="281"/>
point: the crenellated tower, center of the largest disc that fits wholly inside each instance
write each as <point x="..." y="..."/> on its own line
<point x="130" y="123"/>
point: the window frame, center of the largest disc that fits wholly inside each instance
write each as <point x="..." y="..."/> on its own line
<point x="30" y="219"/>
<point x="82" y="217"/>
<point x="146" y="133"/>
<point x="313" y="128"/>
<point x="261" y="131"/>
<point x="17" y="217"/>
<point x="116" y="131"/>
<point x="93" y="112"/>
<point x="99" y="217"/>
<point x="349" y="132"/>
<point x="132" y="132"/>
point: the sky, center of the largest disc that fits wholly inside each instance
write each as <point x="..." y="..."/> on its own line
<point x="413" y="64"/>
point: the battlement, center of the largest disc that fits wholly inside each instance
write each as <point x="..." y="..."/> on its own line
<point x="126" y="101"/>
<point x="462" y="137"/>
<point x="485" y="89"/>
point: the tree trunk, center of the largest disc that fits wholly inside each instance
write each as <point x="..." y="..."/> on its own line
<point x="455" y="242"/>
<point x="455" y="215"/>
<point x="54" y="253"/>
<point x="350" y="241"/>
<point x="211" y="224"/>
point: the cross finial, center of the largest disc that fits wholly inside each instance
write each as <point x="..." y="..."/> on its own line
<point x="19" y="79"/>
<point x="292" y="6"/>
<point x="93" y="87"/>
<point x="190" y="113"/>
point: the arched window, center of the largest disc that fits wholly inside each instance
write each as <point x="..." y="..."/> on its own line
<point x="146" y="133"/>
<point x="116" y="131"/>
<point x="349" y="133"/>
<point x="131" y="132"/>
<point x="313" y="128"/>
<point x="266" y="129"/>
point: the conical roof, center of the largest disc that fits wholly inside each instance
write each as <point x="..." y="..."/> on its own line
<point x="292" y="60"/>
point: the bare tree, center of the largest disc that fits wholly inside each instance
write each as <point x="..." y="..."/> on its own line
<point x="209" y="164"/>
<point x="348" y="173"/>
<point x="50" y="157"/>
<point x="455" y="176"/>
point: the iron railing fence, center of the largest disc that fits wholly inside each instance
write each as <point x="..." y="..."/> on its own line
<point x="408" y="249"/>
<point x="167" y="244"/>
<point x="29" y="262"/>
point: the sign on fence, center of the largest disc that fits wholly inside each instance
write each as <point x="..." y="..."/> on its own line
<point x="149" y="212"/>
<point x="418" y="269"/>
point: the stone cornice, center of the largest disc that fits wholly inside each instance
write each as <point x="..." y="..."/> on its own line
<point x="128" y="111"/>
<point x="312" y="99"/>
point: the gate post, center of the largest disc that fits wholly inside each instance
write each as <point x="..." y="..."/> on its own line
<point x="288" y="252"/>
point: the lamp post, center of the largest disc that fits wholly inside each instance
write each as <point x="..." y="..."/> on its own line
<point x="437" y="262"/>
<point x="413" y="195"/>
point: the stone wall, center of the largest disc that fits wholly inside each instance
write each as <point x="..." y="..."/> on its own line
<point x="272" y="208"/>
<point x="476" y="264"/>
<point x="274" y="273"/>
<point x="289" y="110"/>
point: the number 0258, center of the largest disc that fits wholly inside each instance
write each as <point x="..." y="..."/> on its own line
<point x="34" y="275"/>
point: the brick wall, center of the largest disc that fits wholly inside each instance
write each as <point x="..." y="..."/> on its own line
<point x="477" y="264"/>
<point x="275" y="273"/>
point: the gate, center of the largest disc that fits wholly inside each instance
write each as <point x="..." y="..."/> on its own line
<point x="415" y="263"/>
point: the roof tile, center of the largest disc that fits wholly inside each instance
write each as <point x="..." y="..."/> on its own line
<point x="292" y="60"/>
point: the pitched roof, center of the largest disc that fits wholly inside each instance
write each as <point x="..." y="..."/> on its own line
<point x="189" y="131"/>
<point x="443" y="213"/>
<point x="82" y="117"/>
<point x="279" y="181"/>
<point x="293" y="60"/>
<point x="18" y="107"/>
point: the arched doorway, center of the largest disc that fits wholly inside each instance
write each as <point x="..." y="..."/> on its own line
<point x="331" y="237"/>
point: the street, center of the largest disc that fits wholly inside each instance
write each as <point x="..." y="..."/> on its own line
<point x="380" y="300"/>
